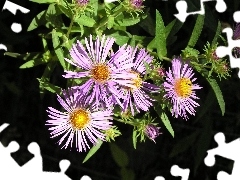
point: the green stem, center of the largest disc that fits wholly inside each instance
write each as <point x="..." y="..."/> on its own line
<point x="70" y="26"/>
<point x="105" y="20"/>
<point x="166" y="58"/>
<point x="126" y="122"/>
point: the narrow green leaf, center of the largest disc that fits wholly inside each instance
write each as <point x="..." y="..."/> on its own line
<point x="169" y="27"/>
<point x="33" y="62"/>
<point x="127" y="22"/>
<point x="44" y="1"/>
<point x="93" y="150"/>
<point x="196" y="30"/>
<point x="37" y="21"/>
<point x="110" y="22"/>
<point x="85" y="21"/>
<point x="218" y="94"/>
<point x="50" y="87"/>
<point x="25" y="57"/>
<point x="58" y="49"/>
<point x="52" y="16"/>
<point x="151" y="45"/>
<point x="119" y="155"/>
<point x="46" y="76"/>
<point x="218" y="32"/>
<point x="134" y="137"/>
<point x="148" y="25"/>
<point x="167" y="123"/>
<point x="160" y="37"/>
<point x="127" y="174"/>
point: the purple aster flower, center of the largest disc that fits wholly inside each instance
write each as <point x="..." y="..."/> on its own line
<point x="136" y="4"/>
<point x="180" y="89"/>
<point x="104" y="70"/>
<point x="136" y="97"/>
<point x="236" y="35"/>
<point x="152" y="132"/>
<point x="82" y="2"/>
<point x="80" y="122"/>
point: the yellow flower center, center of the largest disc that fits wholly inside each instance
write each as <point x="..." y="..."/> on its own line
<point x="183" y="87"/>
<point x="137" y="82"/>
<point x="79" y="119"/>
<point x="100" y="73"/>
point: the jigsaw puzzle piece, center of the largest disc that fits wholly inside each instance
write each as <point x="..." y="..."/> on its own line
<point x="181" y="6"/>
<point x="222" y="51"/>
<point x="236" y="16"/>
<point x="227" y="150"/>
<point x="177" y="171"/>
<point x="159" y="178"/>
<point x="221" y="6"/>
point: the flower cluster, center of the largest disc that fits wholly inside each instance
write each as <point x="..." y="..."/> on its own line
<point x="114" y="79"/>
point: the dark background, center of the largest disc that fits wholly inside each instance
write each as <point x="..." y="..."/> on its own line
<point x="22" y="107"/>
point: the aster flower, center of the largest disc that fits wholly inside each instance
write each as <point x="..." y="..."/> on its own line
<point x="180" y="89"/>
<point x="80" y="122"/>
<point x="152" y="132"/>
<point x="140" y="98"/>
<point x="82" y="2"/>
<point x="236" y="35"/>
<point x="100" y="68"/>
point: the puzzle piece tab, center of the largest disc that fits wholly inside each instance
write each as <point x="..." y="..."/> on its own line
<point x="32" y="169"/>
<point x="227" y="150"/>
<point x="182" y="9"/>
<point x="222" y="51"/>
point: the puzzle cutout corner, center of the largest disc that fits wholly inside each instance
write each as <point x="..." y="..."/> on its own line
<point x="222" y="51"/>
<point x="227" y="150"/>
<point x="11" y="170"/>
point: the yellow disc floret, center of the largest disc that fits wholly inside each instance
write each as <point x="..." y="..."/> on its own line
<point x="100" y="73"/>
<point x="137" y="82"/>
<point x="183" y="87"/>
<point x="79" y="119"/>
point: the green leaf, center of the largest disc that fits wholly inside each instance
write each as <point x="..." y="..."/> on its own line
<point x="26" y="57"/>
<point x="46" y="76"/>
<point x="85" y="21"/>
<point x="93" y="150"/>
<point x="134" y="137"/>
<point x="169" y="27"/>
<point x="44" y="1"/>
<point x="151" y="45"/>
<point x="127" y="174"/>
<point x="120" y="37"/>
<point x="52" y="16"/>
<point x="64" y="7"/>
<point x="160" y="37"/>
<point x="119" y="155"/>
<point x="33" y="63"/>
<point x="218" y="32"/>
<point x="110" y="22"/>
<point x="37" y="21"/>
<point x="148" y="25"/>
<point x="196" y="31"/>
<point x="218" y="94"/>
<point x="58" y="49"/>
<point x="48" y="86"/>
<point x="167" y="123"/>
<point x="127" y="22"/>
<point x="184" y="144"/>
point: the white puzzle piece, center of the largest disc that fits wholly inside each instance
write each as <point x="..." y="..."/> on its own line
<point x="10" y="170"/>
<point x="227" y="150"/>
<point x="182" y="9"/>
